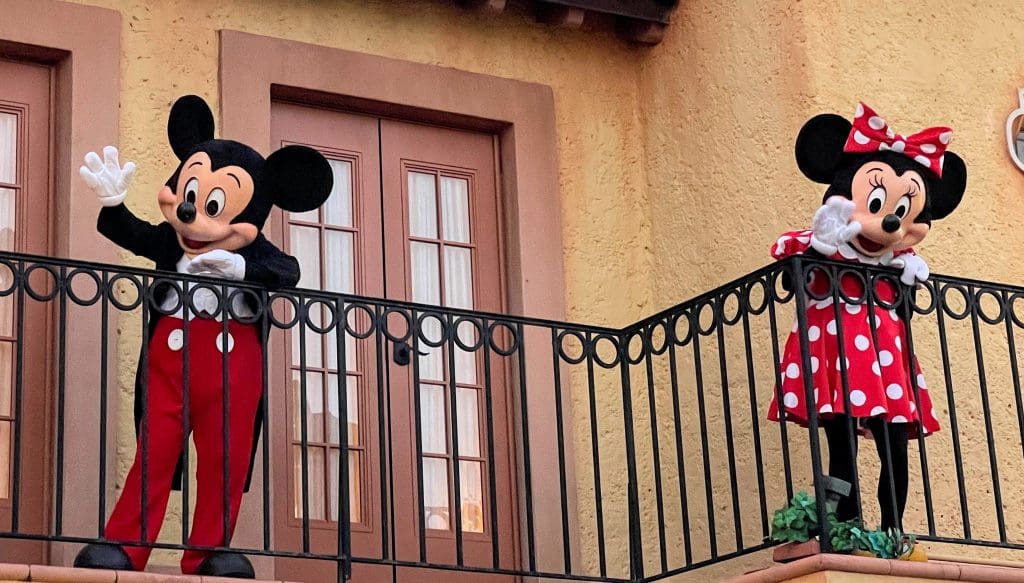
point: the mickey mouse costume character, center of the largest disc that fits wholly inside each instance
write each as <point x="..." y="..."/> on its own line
<point x="884" y="191"/>
<point x="215" y="204"/>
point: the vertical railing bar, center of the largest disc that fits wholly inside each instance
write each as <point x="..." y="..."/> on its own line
<point x="595" y="458"/>
<point x="636" y="549"/>
<point x="101" y="509"/>
<point x="225" y="345"/>
<point x="456" y="462"/>
<point x="873" y="319"/>
<point x="773" y="325"/>
<point x="987" y="412"/>
<point x="656" y="455"/>
<point x="698" y="374"/>
<point x="344" y="511"/>
<point x="556" y="366"/>
<point x="18" y="382"/>
<point x="300" y="317"/>
<point x="723" y="368"/>
<point x="947" y="373"/>
<point x="382" y="438"/>
<point x="800" y="289"/>
<point x="762" y="496"/>
<point x="1014" y="370"/>
<point x="144" y="293"/>
<point x="421" y="519"/>
<point x="908" y="308"/>
<point x="390" y="465"/>
<point x="265" y="381"/>
<point x="186" y="317"/>
<point x="527" y="471"/>
<point x="835" y="284"/>
<point x="684" y="501"/>
<point x="492" y="485"/>
<point x="64" y="286"/>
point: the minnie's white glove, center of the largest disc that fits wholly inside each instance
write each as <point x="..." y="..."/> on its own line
<point x="107" y="178"/>
<point x="832" y="226"/>
<point x="914" y="268"/>
<point x="219" y="263"/>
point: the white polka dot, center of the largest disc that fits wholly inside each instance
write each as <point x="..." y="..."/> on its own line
<point x="860" y="111"/>
<point x="804" y="240"/>
<point x="861" y="342"/>
<point x="899" y="146"/>
<point x="928" y="148"/>
<point x="894" y="391"/>
<point x="876" y="122"/>
<point x="942" y="161"/>
<point x="877" y="411"/>
<point x="813" y="333"/>
<point x="899" y="344"/>
<point x="876" y="369"/>
<point x="175" y="340"/>
<point x="946" y="137"/>
<point x="814" y="365"/>
<point x="839" y="366"/>
<point x="220" y="343"/>
<point x="796" y="325"/>
<point x="792" y="371"/>
<point x="878" y="321"/>
<point x="831" y="327"/>
<point x="922" y="160"/>
<point x="853" y="308"/>
<point x="890" y="133"/>
<point x="826" y="408"/>
<point x="882" y="147"/>
<point x="860" y="138"/>
<point x="920" y="382"/>
<point x="857" y="397"/>
<point x="825" y="303"/>
<point x="815" y="394"/>
<point x="913" y="407"/>
<point x="791" y="400"/>
<point x="899" y="419"/>
<point x="885" y="357"/>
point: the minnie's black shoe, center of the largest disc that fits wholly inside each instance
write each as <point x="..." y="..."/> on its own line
<point x="101" y="556"/>
<point x="227" y="565"/>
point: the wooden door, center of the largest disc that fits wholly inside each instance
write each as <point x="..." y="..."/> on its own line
<point x="413" y="217"/>
<point x="25" y="114"/>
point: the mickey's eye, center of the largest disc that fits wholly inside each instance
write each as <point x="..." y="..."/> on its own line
<point x="215" y="202"/>
<point x="902" y="207"/>
<point x="876" y="200"/>
<point x="191" y="190"/>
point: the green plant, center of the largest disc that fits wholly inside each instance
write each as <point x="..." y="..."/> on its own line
<point x="844" y="535"/>
<point x="796" y="521"/>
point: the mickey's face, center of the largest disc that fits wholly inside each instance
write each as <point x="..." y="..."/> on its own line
<point x="887" y="206"/>
<point x="205" y="203"/>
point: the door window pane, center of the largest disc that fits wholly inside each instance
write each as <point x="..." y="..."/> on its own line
<point x="471" y="491"/>
<point x="469" y="423"/>
<point x="455" y="208"/>
<point x="338" y="208"/>
<point x="314" y="406"/>
<point x="315" y="482"/>
<point x="352" y="403"/>
<point x="8" y="147"/>
<point x="433" y="420"/>
<point x="339" y="256"/>
<point x="422" y="205"/>
<point x="435" y="494"/>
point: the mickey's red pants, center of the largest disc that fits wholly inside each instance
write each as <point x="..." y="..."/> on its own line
<point x="165" y="436"/>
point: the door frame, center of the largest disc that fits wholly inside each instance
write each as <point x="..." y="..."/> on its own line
<point x="520" y="114"/>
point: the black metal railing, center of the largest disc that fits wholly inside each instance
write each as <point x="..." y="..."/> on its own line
<point x="581" y="453"/>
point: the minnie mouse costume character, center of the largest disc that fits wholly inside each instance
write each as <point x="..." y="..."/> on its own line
<point x="884" y="191"/>
<point x="215" y="204"/>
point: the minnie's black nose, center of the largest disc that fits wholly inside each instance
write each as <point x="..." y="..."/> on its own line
<point x="890" y="224"/>
<point x="187" y="212"/>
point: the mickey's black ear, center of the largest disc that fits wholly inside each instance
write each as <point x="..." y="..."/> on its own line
<point x="819" y="146"/>
<point x="947" y="193"/>
<point x="190" y="123"/>
<point x="297" y="178"/>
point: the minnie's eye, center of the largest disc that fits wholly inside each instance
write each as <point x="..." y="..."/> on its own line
<point x="902" y="207"/>
<point x="191" y="190"/>
<point x="215" y="202"/>
<point x="876" y="199"/>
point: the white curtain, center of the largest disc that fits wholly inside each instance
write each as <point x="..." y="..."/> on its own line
<point x="8" y="147"/>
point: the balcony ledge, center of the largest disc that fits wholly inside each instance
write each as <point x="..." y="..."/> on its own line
<point x="832" y="568"/>
<point x="46" y="574"/>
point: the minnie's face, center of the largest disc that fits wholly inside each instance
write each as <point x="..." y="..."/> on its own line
<point x="887" y="206"/>
<point x="205" y="203"/>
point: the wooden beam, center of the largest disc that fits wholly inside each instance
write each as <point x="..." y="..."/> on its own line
<point x="562" y="16"/>
<point x="492" y="6"/>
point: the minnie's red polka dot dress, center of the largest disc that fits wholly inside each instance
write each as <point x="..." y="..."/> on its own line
<point x="879" y="383"/>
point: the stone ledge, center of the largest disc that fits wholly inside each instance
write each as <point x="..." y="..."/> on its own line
<point x="10" y="573"/>
<point x="829" y="568"/>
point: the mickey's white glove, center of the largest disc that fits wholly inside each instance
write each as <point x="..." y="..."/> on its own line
<point x="914" y="268"/>
<point x="107" y="177"/>
<point x="832" y="226"/>
<point x="218" y="263"/>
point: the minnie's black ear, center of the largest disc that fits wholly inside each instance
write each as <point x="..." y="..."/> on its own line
<point x="819" y="146"/>
<point x="297" y="178"/>
<point x="190" y="123"/>
<point x="947" y="193"/>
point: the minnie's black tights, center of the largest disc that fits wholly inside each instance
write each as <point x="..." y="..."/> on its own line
<point x="842" y="460"/>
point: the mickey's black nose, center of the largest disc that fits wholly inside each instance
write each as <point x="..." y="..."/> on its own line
<point x="890" y="224"/>
<point x="187" y="212"/>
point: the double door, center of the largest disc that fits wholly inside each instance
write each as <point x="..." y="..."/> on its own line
<point x="414" y="216"/>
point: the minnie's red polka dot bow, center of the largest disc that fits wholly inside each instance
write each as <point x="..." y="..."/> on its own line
<point x="870" y="133"/>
